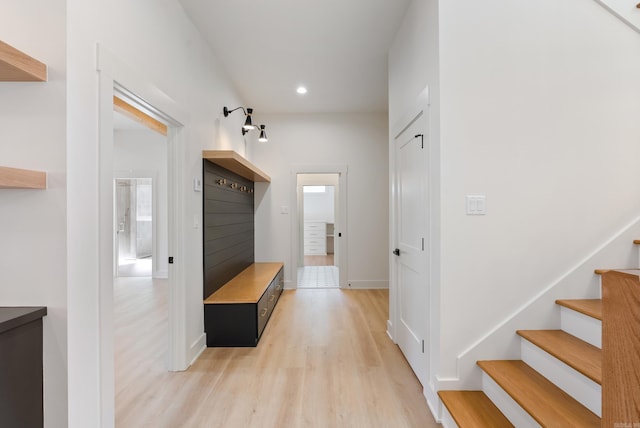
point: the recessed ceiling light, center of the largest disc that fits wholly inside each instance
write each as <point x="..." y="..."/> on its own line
<point x="301" y="90"/>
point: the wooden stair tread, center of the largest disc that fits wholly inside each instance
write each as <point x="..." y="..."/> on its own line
<point x="589" y="307"/>
<point x="545" y="402"/>
<point x="473" y="409"/>
<point x="576" y="353"/>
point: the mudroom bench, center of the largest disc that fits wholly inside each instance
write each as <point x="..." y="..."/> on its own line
<point x="237" y="313"/>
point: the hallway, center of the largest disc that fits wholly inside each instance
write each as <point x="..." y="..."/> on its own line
<point x="324" y="360"/>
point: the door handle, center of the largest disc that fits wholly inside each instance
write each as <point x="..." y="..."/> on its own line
<point x="396" y="251"/>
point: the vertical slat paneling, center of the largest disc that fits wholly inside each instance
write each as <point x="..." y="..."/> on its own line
<point x="621" y="349"/>
<point x="228" y="235"/>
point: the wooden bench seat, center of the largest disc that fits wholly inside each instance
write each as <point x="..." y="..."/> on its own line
<point x="237" y="313"/>
<point x="248" y="286"/>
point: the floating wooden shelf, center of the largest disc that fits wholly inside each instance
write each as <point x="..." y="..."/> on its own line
<point x="232" y="161"/>
<point x="16" y="66"/>
<point x="13" y="178"/>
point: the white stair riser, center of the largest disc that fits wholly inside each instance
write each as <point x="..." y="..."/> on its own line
<point x="447" y="419"/>
<point x="584" y="390"/>
<point x="581" y="326"/>
<point x="512" y="410"/>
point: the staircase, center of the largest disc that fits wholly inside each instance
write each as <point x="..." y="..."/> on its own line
<point x="556" y="383"/>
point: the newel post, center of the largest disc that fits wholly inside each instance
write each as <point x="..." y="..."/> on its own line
<point x="621" y="349"/>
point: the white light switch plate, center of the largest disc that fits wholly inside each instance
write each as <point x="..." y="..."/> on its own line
<point x="197" y="185"/>
<point x="476" y="204"/>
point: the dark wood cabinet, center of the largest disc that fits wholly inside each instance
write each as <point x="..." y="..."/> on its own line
<point x="21" y="369"/>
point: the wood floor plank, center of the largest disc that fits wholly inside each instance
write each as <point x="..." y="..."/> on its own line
<point x="473" y="409"/>
<point x="324" y="360"/>
<point x="578" y="354"/>
<point x="545" y="402"/>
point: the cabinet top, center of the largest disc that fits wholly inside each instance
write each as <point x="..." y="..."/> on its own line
<point x="248" y="286"/>
<point x="14" y="316"/>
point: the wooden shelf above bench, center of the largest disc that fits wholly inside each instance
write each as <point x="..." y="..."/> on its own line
<point x="14" y="178"/>
<point x="232" y="161"/>
<point x="16" y="66"/>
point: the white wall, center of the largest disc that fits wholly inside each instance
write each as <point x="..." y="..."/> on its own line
<point x="539" y="112"/>
<point x="320" y="206"/>
<point x="155" y="40"/>
<point x="139" y="154"/>
<point x="358" y="141"/>
<point x="539" y="106"/>
<point x="33" y="265"/>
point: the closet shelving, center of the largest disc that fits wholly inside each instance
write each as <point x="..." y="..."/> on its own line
<point x="16" y="66"/>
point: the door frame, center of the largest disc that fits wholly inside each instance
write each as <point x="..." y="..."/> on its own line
<point x="116" y="78"/>
<point x="421" y="105"/>
<point x="341" y="219"/>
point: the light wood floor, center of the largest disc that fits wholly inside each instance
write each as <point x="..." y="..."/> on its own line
<point x="324" y="360"/>
<point x="319" y="260"/>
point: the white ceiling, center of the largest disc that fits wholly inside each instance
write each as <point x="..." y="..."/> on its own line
<point x="337" y="48"/>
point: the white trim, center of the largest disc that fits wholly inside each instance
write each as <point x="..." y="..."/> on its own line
<point x="131" y="85"/>
<point x="114" y="76"/>
<point x="625" y="10"/>
<point x="197" y="348"/>
<point x="341" y="244"/>
<point x="420" y="108"/>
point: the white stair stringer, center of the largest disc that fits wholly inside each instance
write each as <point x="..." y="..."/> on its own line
<point x="507" y="405"/>
<point x="581" y="388"/>
<point x="581" y="326"/>
<point x="447" y="420"/>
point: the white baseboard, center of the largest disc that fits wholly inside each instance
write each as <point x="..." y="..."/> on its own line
<point x="389" y="330"/>
<point x="197" y="347"/>
<point x="433" y="401"/>
<point x="161" y="274"/>
<point x="367" y="284"/>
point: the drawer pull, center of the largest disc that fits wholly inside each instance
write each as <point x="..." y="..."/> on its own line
<point x="273" y="296"/>
<point x="278" y="287"/>
<point x="264" y="312"/>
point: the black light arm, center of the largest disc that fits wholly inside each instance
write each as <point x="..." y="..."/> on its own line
<point x="248" y="112"/>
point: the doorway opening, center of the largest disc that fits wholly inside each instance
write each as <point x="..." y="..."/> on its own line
<point x="134" y="227"/>
<point x="317" y="208"/>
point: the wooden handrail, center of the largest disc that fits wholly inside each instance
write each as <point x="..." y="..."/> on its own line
<point x="621" y="348"/>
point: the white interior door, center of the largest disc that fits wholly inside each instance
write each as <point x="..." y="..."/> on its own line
<point x="411" y="158"/>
